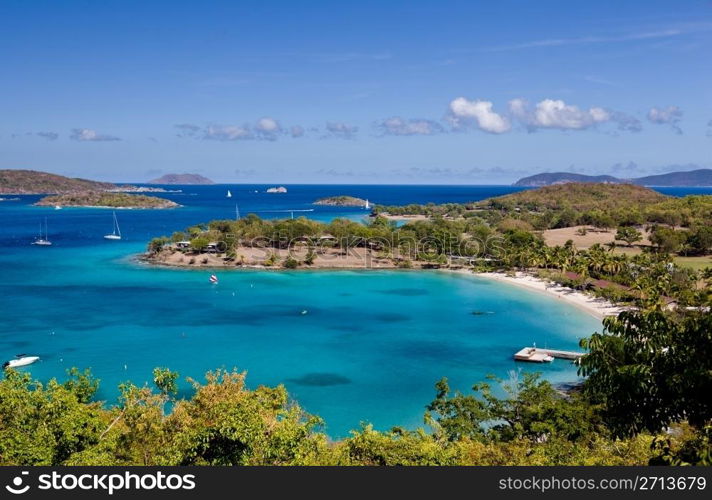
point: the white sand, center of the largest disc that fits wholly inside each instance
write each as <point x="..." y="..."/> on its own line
<point x="595" y="306"/>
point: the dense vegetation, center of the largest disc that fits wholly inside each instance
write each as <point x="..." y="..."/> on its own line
<point x="106" y="199"/>
<point x="677" y="225"/>
<point x="33" y="182"/>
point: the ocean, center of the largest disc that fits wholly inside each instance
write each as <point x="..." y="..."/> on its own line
<point x="350" y="346"/>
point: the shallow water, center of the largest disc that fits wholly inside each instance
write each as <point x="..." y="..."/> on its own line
<point x="370" y="346"/>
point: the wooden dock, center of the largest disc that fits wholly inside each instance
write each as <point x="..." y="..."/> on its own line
<point x="539" y="355"/>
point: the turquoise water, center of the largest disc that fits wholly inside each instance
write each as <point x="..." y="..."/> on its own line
<point x="370" y="347"/>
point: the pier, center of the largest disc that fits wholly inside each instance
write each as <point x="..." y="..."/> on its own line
<point x="539" y="355"/>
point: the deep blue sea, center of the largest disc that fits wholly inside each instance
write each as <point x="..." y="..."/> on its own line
<point x="370" y="348"/>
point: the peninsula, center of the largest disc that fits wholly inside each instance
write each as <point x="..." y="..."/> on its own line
<point x="35" y="182"/>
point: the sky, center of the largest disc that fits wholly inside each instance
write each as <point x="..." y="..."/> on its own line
<point x="367" y="92"/>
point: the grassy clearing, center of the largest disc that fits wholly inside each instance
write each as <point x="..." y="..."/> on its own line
<point x="696" y="263"/>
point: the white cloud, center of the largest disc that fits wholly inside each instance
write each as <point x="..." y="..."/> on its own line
<point x="464" y="113"/>
<point x="341" y="130"/>
<point x="670" y="115"/>
<point x="267" y="128"/>
<point x="85" y="134"/>
<point x="227" y="133"/>
<point x="556" y="114"/>
<point x="396" y="125"/>
<point x="551" y="113"/>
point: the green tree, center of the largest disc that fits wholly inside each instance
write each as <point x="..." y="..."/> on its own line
<point x="628" y="234"/>
<point x="667" y="239"/>
<point x="166" y="381"/>
<point x="651" y="368"/>
<point x="290" y="263"/>
<point x="199" y="243"/>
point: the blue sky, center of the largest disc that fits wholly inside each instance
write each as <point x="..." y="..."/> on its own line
<point x="410" y="92"/>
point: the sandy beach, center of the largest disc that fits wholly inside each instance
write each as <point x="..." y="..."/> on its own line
<point x="595" y="306"/>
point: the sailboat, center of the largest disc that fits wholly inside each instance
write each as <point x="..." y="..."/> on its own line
<point x="116" y="234"/>
<point x="229" y="194"/>
<point x="40" y="241"/>
<point x="367" y="206"/>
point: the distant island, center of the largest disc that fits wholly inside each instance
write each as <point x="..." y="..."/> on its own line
<point x="280" y="189"/>
<point x="103" y="199"/>
<point x="185" y="179"/>
<point x="701" y="177"/>
<point x="34" y="182"/>
<point x="342" y="201"/>
<point x="142" y="189"/>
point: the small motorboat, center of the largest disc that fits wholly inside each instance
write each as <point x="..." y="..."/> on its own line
<point x="213" y="279"/>
<point x="20" y="360"/>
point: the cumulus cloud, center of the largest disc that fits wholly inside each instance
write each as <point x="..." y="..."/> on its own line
<point x="341" y="130"/>
<point x="556" y="114"/>
<point x="296" y="131"/>
<point x="670" y="115"/>
<point x="267" y="128"/>
<point x="464" y="113"/>
<point x="50" y="136"/>
<point x="396" y="125"/>
<point x="89" y="135"/>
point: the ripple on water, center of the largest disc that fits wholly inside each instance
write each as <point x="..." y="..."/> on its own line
<point x="320" y="379"/>
<point x="391" y="317"/>
<point x="405" y="292"/>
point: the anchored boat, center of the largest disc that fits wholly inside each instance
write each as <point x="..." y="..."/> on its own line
<point x="41" y="240"/>
<point x="20" y="360"/>
<point x="116" y="234"/>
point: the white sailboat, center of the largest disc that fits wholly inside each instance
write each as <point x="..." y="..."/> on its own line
<point x="116" y="234"/>
<point x="229" y="194"/>
<point x="368" y="205"/>
<point x="42" y="241"/>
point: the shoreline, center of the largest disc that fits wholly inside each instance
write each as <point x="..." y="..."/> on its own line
<point x="105" y="207"/>
<point x="597" y="307"/>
